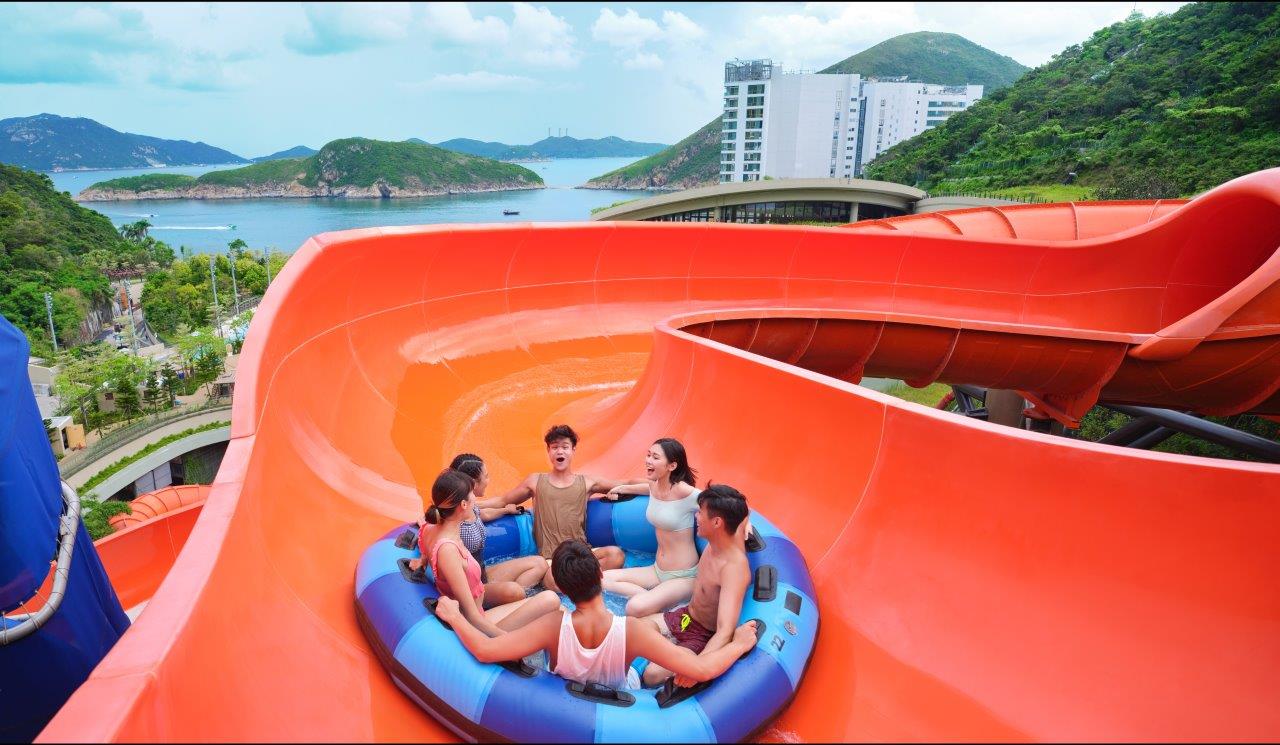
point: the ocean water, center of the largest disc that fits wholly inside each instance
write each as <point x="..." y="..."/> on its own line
<point x="284" y="224"/>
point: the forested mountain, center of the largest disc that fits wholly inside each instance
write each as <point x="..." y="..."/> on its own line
<point x="554" y="147"/>
<point x="352" y="167"/>
<point x="47" y="142"/>
<point x="298" y="151"/>
<point x="925" y="55"/>
<point x="1160" y="107"/>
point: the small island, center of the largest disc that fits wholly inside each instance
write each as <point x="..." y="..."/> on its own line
<point x="354" y="168"/>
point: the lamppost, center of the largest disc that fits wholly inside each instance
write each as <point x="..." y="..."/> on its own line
<point x="48" y="309"/>
<point x="213" y="281"/>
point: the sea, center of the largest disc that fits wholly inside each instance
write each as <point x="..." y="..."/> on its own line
<point x="208" y="225"/>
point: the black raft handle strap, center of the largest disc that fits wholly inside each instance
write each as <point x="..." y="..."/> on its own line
<point x="599" y="694"/>
<point x="670" y="694"/>
<point x="519" y="667"/>
<point x="407" y="540"/>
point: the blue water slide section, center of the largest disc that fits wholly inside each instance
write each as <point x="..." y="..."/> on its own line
<point x="43" y="669"/>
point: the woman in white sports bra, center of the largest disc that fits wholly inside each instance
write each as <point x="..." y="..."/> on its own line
<point x="673" y="502"/>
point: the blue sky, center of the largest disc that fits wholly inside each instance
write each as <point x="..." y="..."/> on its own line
<point x="259" y="78"/>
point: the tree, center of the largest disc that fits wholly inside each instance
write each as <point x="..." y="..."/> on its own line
<point x="236" y="248"/>
<point x="154" y="394"/>
<point x="127" y="400"/>
<point x="208" y="368"/>
<point x="170" y="381"/>
<point x="135" y="231"/>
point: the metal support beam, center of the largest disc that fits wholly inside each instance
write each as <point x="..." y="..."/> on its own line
<point x="1205" y="430"/>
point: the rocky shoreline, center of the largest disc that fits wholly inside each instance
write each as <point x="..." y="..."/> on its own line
<point x="379" y="190"/>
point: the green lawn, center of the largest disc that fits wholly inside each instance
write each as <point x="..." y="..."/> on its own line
<point x="927" y="396"/>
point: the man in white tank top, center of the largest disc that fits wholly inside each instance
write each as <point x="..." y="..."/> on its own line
<point x="591" y="645"/>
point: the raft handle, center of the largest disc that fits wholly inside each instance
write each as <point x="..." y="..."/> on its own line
<point x="418" y="578"/>
<point x="599" y="693"/>
<point x="430" y="604"/>
<point x="670" y="694"/>
<point x="754" y="541"/>
<point x="407" y="540"/>
<point x="766" y="583"/>
<point x="520" y="667"/>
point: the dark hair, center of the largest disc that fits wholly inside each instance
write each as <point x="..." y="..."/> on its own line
<point x="448" y="491"/>
<point x="674" y="452"/>
<point x="726" y="503"/>
<point x="560" y="431"/>
<point x="576" y="570"/>
<point x="469" y="463"/>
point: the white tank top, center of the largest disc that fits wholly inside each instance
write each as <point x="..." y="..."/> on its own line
<point x="606" y="664"/>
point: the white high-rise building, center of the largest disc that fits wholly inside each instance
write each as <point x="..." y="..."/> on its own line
<point x="806" y="125"/>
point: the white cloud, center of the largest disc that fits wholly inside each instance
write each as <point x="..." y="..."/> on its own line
<point x="680" y="29"/>
<point x="823" y="33"/>
<point x="539" y="37"/>
<point x="627" y="31"/>
<point x="453" y="22"/>
<point x="479" y="81"/>
<point x="643" y="61"/>
<point x="334" y="28"/>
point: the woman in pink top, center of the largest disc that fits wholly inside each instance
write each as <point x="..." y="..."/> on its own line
<point x="591" y="645"/>
<point x="456" y="570"/>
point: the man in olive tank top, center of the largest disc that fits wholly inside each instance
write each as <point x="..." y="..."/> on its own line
<point x="560" y="501"/>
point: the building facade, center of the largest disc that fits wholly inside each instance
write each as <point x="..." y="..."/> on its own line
<point x="812" y="125"/>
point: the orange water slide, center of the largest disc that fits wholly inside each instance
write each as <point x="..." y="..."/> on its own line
<point x="976" y="582"/>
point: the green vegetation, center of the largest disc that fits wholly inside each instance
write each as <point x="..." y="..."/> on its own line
<point x="97" y="514"/>
<point x="148" y="182"/>
<point x="1100" y="422"/>
<point x="1031" y="193"/>
<point x="48" y="142"/>
<point x="182" y="295"/>
<point x="693" y="161"/>
<point x="925" y="55"/>
<point x="1146" y="108"/>
<point x="278" y="171"/>
<point x="929" y="396"/>
<point x="48" y="243"/>
<point x="934" y="57"/>
<point x="124" y="462"/>
<point x="362" y="163"/>
<point x="551" y="147"/>
<point x="602" y="208"/>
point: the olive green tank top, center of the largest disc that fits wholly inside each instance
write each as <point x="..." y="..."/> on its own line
<point x="559" y="514"/>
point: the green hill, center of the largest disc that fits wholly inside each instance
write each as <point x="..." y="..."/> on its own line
<point x="48" y="243"/>
<point x="1159" y="107"/>
<point x="554" y="147"/>
<point x="925" y="55"/>
<point x="353" y="167"/>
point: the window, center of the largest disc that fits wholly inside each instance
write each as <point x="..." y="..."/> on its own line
<point x="702" y="215"/>
<point x="731" y="125"/>
<point x="729" y="146"/>
<point x="753" y="90"/>
<point x="751" y="167"/>
<point x="750" y="177"/>
<point x="730" y="103"/>
<point x="726" y="177"/>
<point x="726" y="157"/>
<point x="755" y="113"/>
<point x="751" y="156"/>
<point x="755" y="100"/>
<point x="752" y="135"/>
<point x="787" y="212"/>
<point x="751" y="124"/>
<point x="751" y="145"/>
<point x="731" y="90"/>
<point x="730" y="115"/>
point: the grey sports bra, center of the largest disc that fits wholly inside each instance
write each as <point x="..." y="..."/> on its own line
<point x="676" y="514"/>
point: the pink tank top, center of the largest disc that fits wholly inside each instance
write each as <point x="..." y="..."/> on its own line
<point x="606" y="664"/>
<point x="474" y="582"/>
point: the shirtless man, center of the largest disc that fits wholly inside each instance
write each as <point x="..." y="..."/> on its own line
<point x="560" y="501"/>
<point x="707" y="623"/>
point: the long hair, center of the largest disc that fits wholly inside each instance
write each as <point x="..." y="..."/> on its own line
<point x="448" y="491"/>
<point x="675" y="453"/>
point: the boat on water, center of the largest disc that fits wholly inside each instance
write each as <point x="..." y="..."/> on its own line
<point x="511" y="212"/>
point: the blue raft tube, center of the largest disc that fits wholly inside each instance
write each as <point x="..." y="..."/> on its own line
<point x="517" y="702"/>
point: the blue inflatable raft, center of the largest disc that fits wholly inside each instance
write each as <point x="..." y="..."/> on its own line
<point x="517" y="703"/>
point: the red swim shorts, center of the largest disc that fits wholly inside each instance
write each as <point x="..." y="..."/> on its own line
<point x="687" y="632"/>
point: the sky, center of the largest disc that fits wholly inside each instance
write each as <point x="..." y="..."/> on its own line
<point x="259" y="78"/>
